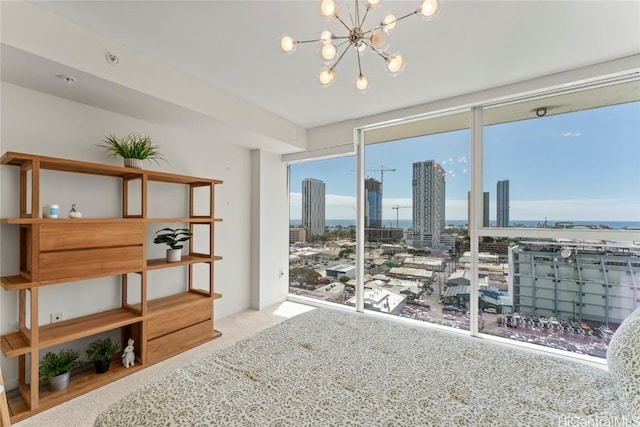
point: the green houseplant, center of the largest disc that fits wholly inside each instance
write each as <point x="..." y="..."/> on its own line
<point x="134" y="146"/>
<point x="174" y="238"/>
<point x="56" y="367"/>
<point x="100" y="353"/>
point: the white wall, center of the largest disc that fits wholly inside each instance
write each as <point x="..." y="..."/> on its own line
<point x="269" y="230"/>
<point x="33" y="122"/>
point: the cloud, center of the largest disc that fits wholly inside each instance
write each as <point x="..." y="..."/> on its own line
<point x="572" y="134"/>
<point x="574" y="209"/>
<point x="343" y="207"/>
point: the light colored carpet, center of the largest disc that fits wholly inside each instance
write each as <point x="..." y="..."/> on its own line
<point x="331" y="368"/>
<point x="82" y="411"/>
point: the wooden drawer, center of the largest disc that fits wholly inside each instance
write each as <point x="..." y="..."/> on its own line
<point x="171" y="320"/>
<point x="73" y="264"/>
<point x="179" y="341"/>
<point x="79" y="235"/>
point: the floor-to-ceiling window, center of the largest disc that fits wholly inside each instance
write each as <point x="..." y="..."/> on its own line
<point x="560" y="261"/>
<point x="556" y="208"/>
<point x="412" y="241"/>
<point x="322" y="229"/>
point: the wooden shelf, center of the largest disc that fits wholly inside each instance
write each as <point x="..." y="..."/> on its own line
<point x="66" y="165"/>
<point x="69" y="330"/>
<point x="179" y="179"/>
<point x="62" y="250"/>
<point x="26" y="221"/>
<point x="14" y="283"/>
<point x="153" y="264"/>
<point x="83" y="379"/>
<point x="194" y="220"/>
<point x="14" y="344"/>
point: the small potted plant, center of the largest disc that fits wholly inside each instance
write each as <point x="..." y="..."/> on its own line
<point x="56" y="367"/>
<point x="174" y="238"/>
<point x="100" y="353"/>
<point x="133" y="148"/>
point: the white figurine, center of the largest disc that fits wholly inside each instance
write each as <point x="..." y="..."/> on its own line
<point x="128" y="357"/>
<point x="73" y="213"/>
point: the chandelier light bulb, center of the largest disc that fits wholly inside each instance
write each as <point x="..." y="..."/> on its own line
<point x="379" y="40"/>
<point x="371" y="4"/>
<point x="287" y="44"/>
<point x="328" y="51"/>
<point x="362" y="84"/>
<point x="326" y="36"/>
<point x="326" y="77"/>
<point x="429" y="8"/>
<point x="389" y="23"/>
<point x="328" y="8"/>
<point x="395" y="64"/>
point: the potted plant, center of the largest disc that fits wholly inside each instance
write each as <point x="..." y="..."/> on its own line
<point x="133" y="148"/>
<point x="174" y="238"/>
<point x="100" y="353"/>
<point x="56" y="367"/>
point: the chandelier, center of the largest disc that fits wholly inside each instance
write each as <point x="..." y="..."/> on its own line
<point x="360" y="39"/>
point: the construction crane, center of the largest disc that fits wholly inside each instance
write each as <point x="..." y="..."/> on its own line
<point x="382" y="170"/>
<point x="397" y="208"/>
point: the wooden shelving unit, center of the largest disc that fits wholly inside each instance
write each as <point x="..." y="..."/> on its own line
<point x="57" y="251"/>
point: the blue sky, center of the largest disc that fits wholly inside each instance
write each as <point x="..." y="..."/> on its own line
<point x="590" y="159"/>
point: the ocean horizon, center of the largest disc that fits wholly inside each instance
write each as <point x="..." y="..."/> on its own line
<point x="407" y="223"/>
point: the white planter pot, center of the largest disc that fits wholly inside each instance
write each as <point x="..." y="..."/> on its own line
<point x="174" y="255"/>
<point x="133" y="163"/>
<point x="59" y="382"/>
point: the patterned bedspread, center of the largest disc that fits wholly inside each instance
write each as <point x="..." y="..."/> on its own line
<point x="331" y="368"/>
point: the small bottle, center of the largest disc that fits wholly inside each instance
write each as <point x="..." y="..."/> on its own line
<point x="54" y="211"/>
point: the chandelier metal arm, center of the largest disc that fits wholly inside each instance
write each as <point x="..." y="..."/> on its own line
<point x="335" y="64"/>
<point x="342" y="22"/>
<point x="391" y="22"/>
<point x="405" y="16"/>
<point x="363" y="19"/>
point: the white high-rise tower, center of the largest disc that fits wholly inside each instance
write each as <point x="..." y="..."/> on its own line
<point x="313" y="206"/>
<point x="428" y="203"/>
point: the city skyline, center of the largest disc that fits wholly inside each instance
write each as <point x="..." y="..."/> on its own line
<point x="585" y="178"/>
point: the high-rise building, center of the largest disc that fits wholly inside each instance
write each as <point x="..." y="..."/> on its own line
<point x="428" y="203"/>
<point x="485" y="208"/>
<point x="373" y="200"/>
<point x="502" y="217"/>
<point x="313" y="206"/>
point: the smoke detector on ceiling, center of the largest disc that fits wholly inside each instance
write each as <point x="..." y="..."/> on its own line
<point x="112" y="58"/>
<point x="67" y="79"/>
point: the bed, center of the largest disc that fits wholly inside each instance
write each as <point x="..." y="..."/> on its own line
<point x="334" y="368"/>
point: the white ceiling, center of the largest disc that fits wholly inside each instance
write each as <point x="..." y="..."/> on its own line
<point x="470" y="46"/>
